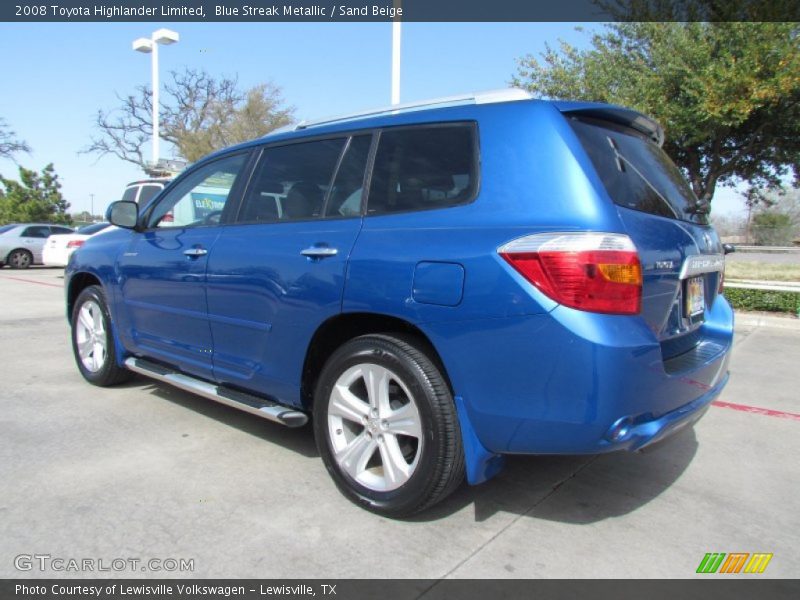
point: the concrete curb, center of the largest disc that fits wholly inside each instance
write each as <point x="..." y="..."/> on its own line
<point x="749" y="319"/>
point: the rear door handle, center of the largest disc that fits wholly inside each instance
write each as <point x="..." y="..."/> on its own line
<point x="319" y="252"/>
<point x="195" y="252"/>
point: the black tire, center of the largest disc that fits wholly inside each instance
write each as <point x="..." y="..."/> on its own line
<point x="19" y="259"/>
<point x="104" y="371"/>
<point x="436" y="458"/>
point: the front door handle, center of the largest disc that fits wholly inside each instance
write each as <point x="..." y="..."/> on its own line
<point x="319" y="252"/>
<point x="195" y="252"/>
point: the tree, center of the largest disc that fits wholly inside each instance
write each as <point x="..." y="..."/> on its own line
<point x="36" y="197"/>
<point x="772" y="202"/>
<point x="772" y="228"/>
<point x="726" y="93"/>
<point x="9" y="144"/>
<point x="199" y="114"/>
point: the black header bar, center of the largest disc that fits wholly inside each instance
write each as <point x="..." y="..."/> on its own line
<point x="258" y="11"/>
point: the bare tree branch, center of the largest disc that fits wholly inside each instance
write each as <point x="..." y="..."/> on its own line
<point x="199" y="114"/>
<point x="9" y="144"/>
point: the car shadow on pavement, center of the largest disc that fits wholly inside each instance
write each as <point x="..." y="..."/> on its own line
<point x="575" y="489"/>
<point x="568" y="489"/>
<point x="300" y="440"/>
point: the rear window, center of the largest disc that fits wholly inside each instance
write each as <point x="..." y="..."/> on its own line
<point x="424" y="167"/>
<point x="637" y="173"/>
<point x="94" y="228"/>
<point x="5" y="228"/>
<point x="130" y="194"/>
<point x="148" y="191"/>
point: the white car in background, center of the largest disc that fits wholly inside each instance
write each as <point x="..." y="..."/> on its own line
<point x="21" y="243"/>
<point x="59" y="247"/>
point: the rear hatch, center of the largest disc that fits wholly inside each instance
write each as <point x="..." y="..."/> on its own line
<point x="681" y="255"/>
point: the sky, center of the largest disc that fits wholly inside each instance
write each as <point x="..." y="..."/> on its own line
<point x="56" y="76"/>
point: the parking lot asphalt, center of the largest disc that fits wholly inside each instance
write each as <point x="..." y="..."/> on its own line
<point x="149" y="472"/>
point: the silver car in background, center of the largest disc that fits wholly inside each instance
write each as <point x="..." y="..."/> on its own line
<point x="21" y="244"/>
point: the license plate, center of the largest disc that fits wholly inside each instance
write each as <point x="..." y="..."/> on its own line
<point x="695" y="296"/>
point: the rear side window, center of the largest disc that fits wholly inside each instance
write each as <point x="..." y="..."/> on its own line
<point x="291" y="182"/>
<point x="425" y="167"/>
<point x="636" y="173"/>
<point x="344" y="199"/>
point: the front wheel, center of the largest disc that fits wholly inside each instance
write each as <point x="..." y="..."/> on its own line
<point x="386" y="425"/>
<point x="92" y="340"/>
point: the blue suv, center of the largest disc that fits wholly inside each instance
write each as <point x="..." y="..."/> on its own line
<point x="438" y="285"/>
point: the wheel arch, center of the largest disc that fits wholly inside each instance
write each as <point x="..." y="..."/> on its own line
<point x="77" y="283"/>
<point x="343" y="327"/>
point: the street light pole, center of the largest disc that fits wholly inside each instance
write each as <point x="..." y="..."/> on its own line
<point x="154" y="78"/>
<point x="150" y="46"/>
<point x="91" y="199"/>
<point x="396" y="56"/>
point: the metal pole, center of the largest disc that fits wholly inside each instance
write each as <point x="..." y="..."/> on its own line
<point x="91" y="198"/>
<point x="154" y="65"/>
<point x="396" y="57"/>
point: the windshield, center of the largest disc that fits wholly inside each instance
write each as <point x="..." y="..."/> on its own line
<point x="5" y="228"/>
<point x="637" y="173"/>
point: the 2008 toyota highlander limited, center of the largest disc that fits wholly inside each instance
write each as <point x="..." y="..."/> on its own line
<point x="437" y="285"/>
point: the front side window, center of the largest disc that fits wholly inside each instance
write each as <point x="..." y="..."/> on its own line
<point x="200" y="197"/>
<point x="420" y="168"/>
<point x="291" y="182"/>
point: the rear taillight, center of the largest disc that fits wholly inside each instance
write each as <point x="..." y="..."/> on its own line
<point x="597" y="272"/>
<point x="74" y="244"/>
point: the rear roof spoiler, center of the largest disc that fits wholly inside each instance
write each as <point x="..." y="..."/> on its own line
<point x="615" y="114"/>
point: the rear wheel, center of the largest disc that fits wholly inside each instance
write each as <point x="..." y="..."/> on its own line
<point x="92" y="341"/>
<point x="386" y="425"/>
<point x="19" y="259"/>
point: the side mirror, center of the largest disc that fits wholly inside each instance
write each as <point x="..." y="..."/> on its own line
<point x="123" y="213"/>
<point x="728" y="248"/>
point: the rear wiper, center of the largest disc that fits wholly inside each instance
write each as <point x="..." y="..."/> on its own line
<point x="700" y="207"/>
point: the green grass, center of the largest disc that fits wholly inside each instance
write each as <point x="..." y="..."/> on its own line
<point x="762" y="271"/>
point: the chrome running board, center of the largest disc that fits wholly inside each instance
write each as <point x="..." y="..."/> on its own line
<point x="230" y="397"/>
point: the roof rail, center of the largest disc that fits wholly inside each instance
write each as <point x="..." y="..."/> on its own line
<point x="486" y="97"/>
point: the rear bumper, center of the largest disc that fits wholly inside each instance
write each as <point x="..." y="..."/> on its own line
<point x="568" y="382"/>
<point x="55" y="258"/>
<point x="628" y="435"/>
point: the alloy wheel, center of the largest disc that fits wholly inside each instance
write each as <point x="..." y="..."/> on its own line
<point x="374" y="427"/>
